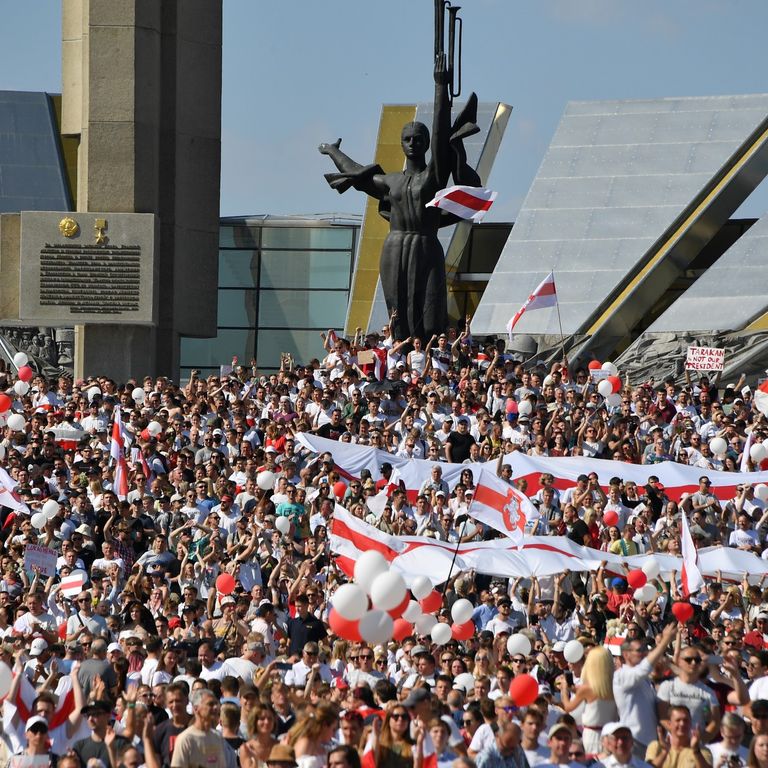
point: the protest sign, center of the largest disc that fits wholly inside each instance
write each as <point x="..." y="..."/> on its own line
<point x="43" y="558"/>
<point x="705" y="359"/>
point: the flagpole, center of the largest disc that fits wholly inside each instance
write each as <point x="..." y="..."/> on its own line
<point x="455" y="554"/>
<point x="559" y="320"/>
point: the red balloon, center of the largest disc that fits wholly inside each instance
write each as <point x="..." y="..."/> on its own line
<point x="398" y="610"/>
<point x="144" y="435"/>
<point x="402" y="629"/>
<point x="344" y="628"/>
<point x="637" y="579"/>
<point x="594" y="365"/>
<point x="683" y="612"/>
<point x="5" y="403"/>
<point x="431" y="602"/>
<point x="463" y="631"/>
<point x="511" y="406"/>
<point x="616" y="383"/>
<point x="339" y="489"/>
<point x="225" y="583"/>
<point x="26" y="373"/>
<point x="611" y="517"/>
<point x="523" y="690"/>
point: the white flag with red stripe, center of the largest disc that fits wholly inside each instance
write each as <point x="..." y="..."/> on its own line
<point x="501" y="506"/>
<point x="465" y="202"/>
<point x="690" y="575"/>
<point x="117" y="452"/>
<point x="379" y="363"/>
<point x="761" y="398"/>
<point x="8" y="496"/>
<point x="545" y="295"/>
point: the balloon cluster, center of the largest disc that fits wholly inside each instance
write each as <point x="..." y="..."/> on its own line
<point x="48" y="512"/>
<point x="378" y="606"/>
<point x="610" y="386"/>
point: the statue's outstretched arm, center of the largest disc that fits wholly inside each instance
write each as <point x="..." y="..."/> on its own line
<point x="441" y="127"/>
<point x="366" y="178"/>
<point x="343" y="162"/>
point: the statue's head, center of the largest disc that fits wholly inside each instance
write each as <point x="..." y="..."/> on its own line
<point x="415" y="139"/>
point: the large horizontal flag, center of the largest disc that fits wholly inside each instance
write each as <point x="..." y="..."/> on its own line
<point x="465" y="202"/>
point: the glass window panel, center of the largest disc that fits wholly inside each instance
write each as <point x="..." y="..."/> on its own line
<point x="302" y="309"/>
<point x="305" y="269"/>
<point x="239" y="237"/>
<point x="487" y="244"/>
<point x="237" y="309"/>
<point x="211" y="353"/>
<point x="307" y="237"/>
<point x="238" y="269"/>
<point x="303" y="345"/>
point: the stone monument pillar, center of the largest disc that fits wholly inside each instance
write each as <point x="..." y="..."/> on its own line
<point x="141" y="88"/>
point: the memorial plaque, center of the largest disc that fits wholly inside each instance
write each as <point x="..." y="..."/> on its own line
<point x="88" y="268"/>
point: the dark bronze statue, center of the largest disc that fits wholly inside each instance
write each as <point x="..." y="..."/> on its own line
<point x="412" y="264"/>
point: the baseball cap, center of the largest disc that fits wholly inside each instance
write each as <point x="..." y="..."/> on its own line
<point x="36" y="720"/>
<point x="558" y="727"/>
<point x="228" y="600"/>
<point x="38" y="647"/>
<point x="610" y="728"/>
<point x="416" y="696"/>
<point x="558" y="647"/>
<point x="417" y="650"/>
<point x="114" y="647"/>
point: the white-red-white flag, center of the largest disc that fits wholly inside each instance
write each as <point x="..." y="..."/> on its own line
<point x="761" y="398"/>
<point x="501" y="506"/>
<point x="8" y="496"/>
<point x="379" y="363"/>
<point x="690" y="575"/>
<point x="545" y="295"/>
<point x="117" y="452"/>
<point x="470" y="203"/>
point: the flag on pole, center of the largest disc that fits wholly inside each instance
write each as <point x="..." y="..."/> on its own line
<point x="465" y="202"/>
<point x="690" y="574"/>
<point x="545" y="295"/>
<point x="8" y="496"/>
<point x="117" y="452"/>
<point x="502" y="507"/>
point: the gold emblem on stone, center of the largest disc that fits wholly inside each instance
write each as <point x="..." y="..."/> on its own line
<point x="99" y="226"/>
<point x="69" y="227"/>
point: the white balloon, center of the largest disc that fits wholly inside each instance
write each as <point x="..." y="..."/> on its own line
<point x="761" y="491"/>
<point x="138" y="395"/>
<point x="461" y="611"/>
<point x="421" y="587"/>
<point x="266" y="480"/>
<point x="412" y="612"/>
<point x="424" y="623"/>
<point x="93" y="392"/>
<point x="21" y="388"/>
<point x="441" y="634"/>
<point x="645" y="594"/>
<point x="350" y="602"/>
<point x="376" y="627"/>
<point x="39" y="520"/>
<point x="757" y="452"/>
<point x="605" y="388"/>
<point x="368" y="566"/>
<point x="718" y="446"/>
<point x="573" y="651"/>
<point x="154" y="428"/>
<point x="50" y="509"/>
<point x="524" y="408"/>
<point x="518" y="644"/>
<point x="283" y="524"/>
<point x="611" y="368"/>
<point x="465" y="680"/>
<point x="613" y="400"/>
<point x="20" y="359"/>
<point x="16" y="422"/>
<point x="6" y="678"/>
<point x="388" y="591"/>
<point x="651" y="568"/>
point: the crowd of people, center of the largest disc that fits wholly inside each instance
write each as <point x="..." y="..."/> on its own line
<point x="131" y="653"/>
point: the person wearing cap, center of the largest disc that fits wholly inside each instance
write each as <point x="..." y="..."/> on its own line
<point x="281" y="756"/>
<point x="97" y="714"/>
<point x="200" y="744"/>
<point x="425" y="671"/>
<point x="38" y="668"/>
<point x="36" y="731"/>
<point x="617" y="740"/>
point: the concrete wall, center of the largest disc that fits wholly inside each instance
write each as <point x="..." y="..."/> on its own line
<point x="142" y="89"/>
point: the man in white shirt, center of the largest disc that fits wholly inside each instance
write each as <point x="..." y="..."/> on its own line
<point x="297" y="675"/>
<point x="617" y="739"/>
<point x="635" y="695"/>
<point x="211" y="669"/>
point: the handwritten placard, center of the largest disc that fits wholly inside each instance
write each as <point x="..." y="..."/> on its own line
<point x="705" y="359"/>
<point x="43" y="558"/>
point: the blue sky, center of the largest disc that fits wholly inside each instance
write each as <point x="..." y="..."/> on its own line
<point x="298" y="72"/>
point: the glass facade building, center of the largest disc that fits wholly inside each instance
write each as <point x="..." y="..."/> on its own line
<point x="282" y="282"/>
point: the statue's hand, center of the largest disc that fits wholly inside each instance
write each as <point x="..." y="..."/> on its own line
<point x="326" y="149"/>
<point x="441" y="69"/>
